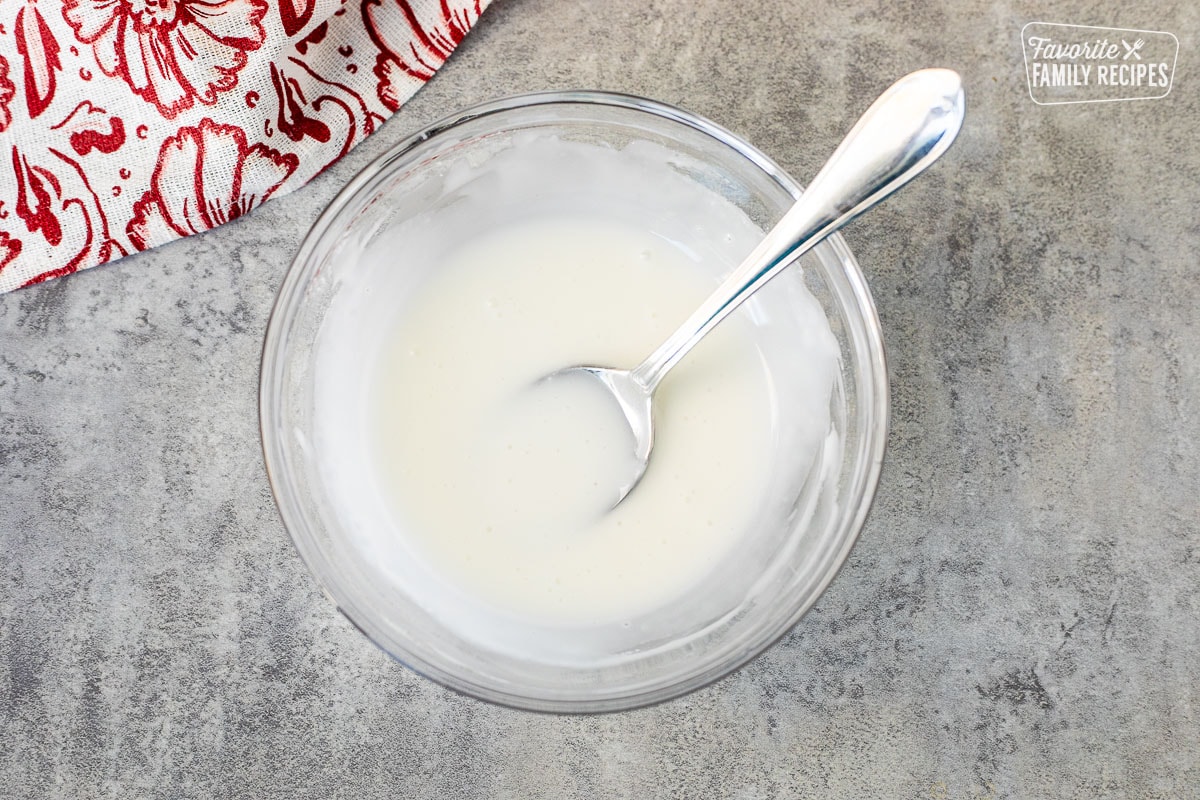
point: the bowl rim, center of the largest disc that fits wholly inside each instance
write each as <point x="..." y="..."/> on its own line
<point x="861" y="493"/>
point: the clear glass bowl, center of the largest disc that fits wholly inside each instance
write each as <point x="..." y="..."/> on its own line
<point x="771" y="589"/>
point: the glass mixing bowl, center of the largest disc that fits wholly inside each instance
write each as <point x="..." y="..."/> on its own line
<point x="765" y="587"/>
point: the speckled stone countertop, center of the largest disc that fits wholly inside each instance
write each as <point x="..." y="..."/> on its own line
<point x="1020" y="617"/>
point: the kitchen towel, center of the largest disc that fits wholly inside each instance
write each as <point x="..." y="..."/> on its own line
<point x="125" y="124"/>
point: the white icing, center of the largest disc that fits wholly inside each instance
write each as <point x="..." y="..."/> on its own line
<point x="427" y="371"/>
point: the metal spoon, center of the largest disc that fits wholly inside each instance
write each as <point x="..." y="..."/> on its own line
<point x="902" y="133"/>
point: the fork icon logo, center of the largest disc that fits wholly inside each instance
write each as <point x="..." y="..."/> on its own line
<point x="1132" y="49"/>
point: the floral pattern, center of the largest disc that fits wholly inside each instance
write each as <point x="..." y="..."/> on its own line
<point x="10" y="248"/>
<point x="63" y="225"/>
<point x="130" y="123"/>
<point x="414" y="39"/>
<point x="7" y="91"/>
<point x="170" y="52"/>
<point x="206" y="176"/>
<point x="37" y="45"/>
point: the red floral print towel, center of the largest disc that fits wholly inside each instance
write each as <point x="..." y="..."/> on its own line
<point x="125" y="124"/>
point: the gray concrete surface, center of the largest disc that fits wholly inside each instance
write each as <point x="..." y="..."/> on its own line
<point x="1019" y="619"/>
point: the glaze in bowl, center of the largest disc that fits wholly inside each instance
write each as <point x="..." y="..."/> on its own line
<point x="765" y="591"/>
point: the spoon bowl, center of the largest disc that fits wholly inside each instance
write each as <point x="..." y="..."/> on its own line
<point x="904" y="131"/>
<point x="636" y="403"/>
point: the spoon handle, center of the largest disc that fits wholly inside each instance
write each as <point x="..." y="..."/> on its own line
<point x="902" y="133"/>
